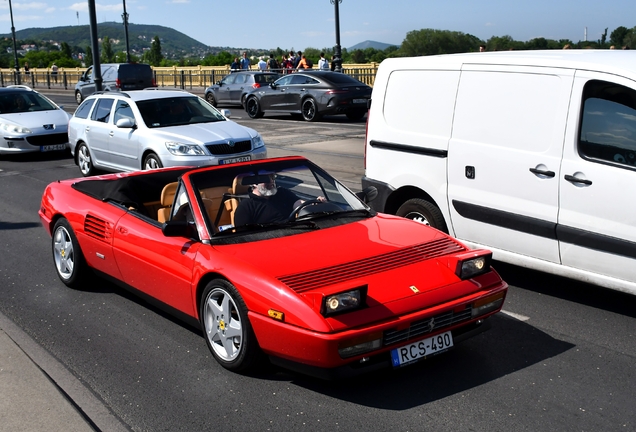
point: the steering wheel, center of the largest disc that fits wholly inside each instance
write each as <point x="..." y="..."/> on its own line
<point x="301" y="206"/>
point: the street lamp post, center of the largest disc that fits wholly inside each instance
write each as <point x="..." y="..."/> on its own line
<point x="337" y="51"/>
<point x="124" y="16"/>
<point x="15" y="48"/>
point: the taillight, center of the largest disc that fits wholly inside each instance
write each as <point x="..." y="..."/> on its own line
<point x="117" y="83"/>
<point x="256" y="85"/>
<point x="154" y="83"/>
<point x="337" y="91"/>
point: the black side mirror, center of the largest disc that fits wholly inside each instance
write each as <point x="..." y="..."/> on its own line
<point x="368" y="194"/>
<point x="178" y="228"/>
<point x="273" y="86"/>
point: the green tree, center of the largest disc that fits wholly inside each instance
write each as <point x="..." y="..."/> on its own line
<point x="88" y="57"/>
<point x="108" y="56"/>
<point x="617" y="36"/>
<point x="431" y="42"/>
<point x="154" y="56"/>
<point x="65" y="49"/>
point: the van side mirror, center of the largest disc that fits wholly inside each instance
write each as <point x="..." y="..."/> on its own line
<point x="368" y="194"/>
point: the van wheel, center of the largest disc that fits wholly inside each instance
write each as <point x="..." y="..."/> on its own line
<point x="424" y="212"/>
<point x="78" y="97"/>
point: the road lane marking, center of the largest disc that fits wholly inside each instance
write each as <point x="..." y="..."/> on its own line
<point x="516" y="316"/>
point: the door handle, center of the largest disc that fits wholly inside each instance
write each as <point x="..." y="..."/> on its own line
<point x="573" y="179"/>
<point x="546" y="173"/>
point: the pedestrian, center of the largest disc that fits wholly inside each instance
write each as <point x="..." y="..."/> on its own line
<point x="26" y="68"/>
<point x="262" y="64"/>
<point x="323" y="63"/>
<point x="333" y="63"/>
<point x="236" y="65"/>
<point x="272" y="64"/>
<point x="286" y="65"/>
<point x="297" y="59"/>
<point x="245" y="62"/>
<point x="54" y="72"/>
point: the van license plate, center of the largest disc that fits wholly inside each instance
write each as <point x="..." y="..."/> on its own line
<point x="235" y="160"/>
<point x="53" y="147"/>
<point x="419" y="350"/>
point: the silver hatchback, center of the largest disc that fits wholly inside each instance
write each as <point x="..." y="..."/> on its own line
<point x="146" y="129"/>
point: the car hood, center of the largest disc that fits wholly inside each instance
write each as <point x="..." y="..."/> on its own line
<point x="37" y="119"/>
<point x="202" y="133"/>
<point x="386" y="254"/>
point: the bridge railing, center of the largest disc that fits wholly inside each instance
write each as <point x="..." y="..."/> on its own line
<point x="184" y="77"/>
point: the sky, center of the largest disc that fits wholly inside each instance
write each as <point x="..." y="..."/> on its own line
<point x="301" y="24"/>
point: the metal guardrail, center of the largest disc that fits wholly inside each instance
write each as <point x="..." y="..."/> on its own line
<point x="179" y="77"/>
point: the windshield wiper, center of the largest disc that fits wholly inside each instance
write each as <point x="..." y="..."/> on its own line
<point x="271" y="226"/>
<point x="339" y="213"/>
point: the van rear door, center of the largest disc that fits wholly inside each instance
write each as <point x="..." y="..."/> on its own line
<point x="504" y="158"/>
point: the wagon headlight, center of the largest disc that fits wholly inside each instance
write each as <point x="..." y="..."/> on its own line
<point x="471" y="267"/>
<point x="180" y="149"/>
<point x="257" y="142"/>
<point x="345" y="301"/>
<point x="14" y="128"/>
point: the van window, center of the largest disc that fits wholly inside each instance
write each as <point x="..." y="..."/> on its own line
<point x="608" y="123"/>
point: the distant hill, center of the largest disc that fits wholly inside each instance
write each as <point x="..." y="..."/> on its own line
<point x="140" y="36"/>
<point x="371" y="44"/>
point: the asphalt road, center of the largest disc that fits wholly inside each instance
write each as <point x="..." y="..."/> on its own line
<point x="561" y="357"/>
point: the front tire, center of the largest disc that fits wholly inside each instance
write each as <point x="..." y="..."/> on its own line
<point x="253" y="108"/>
<point x="78" y="97"/>
<point x="151" y="162"/>
<point x="211" y="99"/>
<point x="69" y="261"/>
<point x="424" y="212"/>
<point x="85" y="162"/>
<point x="227" y="329"/>
<point x="309" y="110"/>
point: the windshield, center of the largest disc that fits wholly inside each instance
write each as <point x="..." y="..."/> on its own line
<point x="273" y="195"/>
<point x="24" y="101"/>
<point x="177" y="111"/>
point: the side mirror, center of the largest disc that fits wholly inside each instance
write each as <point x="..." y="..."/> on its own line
<point x="219" y="83"/>
<point x="226" y="112"/>
<point x="274" y="86"/>
<point x="126" y="122"/>
<point x="368" y="194"/>
<point x="178" y="228"/>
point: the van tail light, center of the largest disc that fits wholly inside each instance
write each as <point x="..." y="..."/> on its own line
<point x="256" y="85"/>
<point x="117" y="83"/>
<point x="154" y="83"/>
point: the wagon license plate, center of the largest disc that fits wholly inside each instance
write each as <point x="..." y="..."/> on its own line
<point x="235" y="160"/>
<point x="53" y="147"/>
<point x="360" y="101"/>
<point x="421" y="349"/>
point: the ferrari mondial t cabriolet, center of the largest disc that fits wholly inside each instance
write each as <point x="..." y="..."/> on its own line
<point x="275" y="259"/>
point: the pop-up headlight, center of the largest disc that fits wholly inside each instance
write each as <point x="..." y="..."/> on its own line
<point x="474" y="266"/>
<point x="344" y="301"/>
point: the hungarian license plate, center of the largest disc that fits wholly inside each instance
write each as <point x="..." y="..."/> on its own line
<point x="53" y="147"/>
<point x="421" y="349"/>
<point x="361" y="101"/>
<point x="235" y="160"/>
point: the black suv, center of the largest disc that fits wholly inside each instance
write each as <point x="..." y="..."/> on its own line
<point x="232" y="89"/>
<point x="115" y="77"/>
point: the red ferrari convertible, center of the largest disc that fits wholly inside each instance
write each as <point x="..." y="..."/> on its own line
<point x="275" y="258"/>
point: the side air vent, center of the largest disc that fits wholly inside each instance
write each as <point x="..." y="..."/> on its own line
<point x="314" y="279"/>
<point x="97" y="228"/>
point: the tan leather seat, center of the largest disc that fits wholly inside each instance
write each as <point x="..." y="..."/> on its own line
<point x="167" y="198"/>
<point x="236" y="189"/>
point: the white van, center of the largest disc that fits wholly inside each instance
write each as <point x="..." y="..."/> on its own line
<point x="531" y="154"/>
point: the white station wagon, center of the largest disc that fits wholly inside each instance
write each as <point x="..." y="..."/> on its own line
<point x="147" y="129"/>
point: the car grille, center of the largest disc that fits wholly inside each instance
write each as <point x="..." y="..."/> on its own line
<point x="427" y="325"/>
<point x="310" y="280"/>
<point x="50" y="139"/>
<point x="225" y="148"/>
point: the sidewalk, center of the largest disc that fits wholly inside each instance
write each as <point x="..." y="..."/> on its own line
<point x="40" y="394"/>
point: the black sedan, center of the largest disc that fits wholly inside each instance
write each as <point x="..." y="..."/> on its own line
<point x="311" y="94"/>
